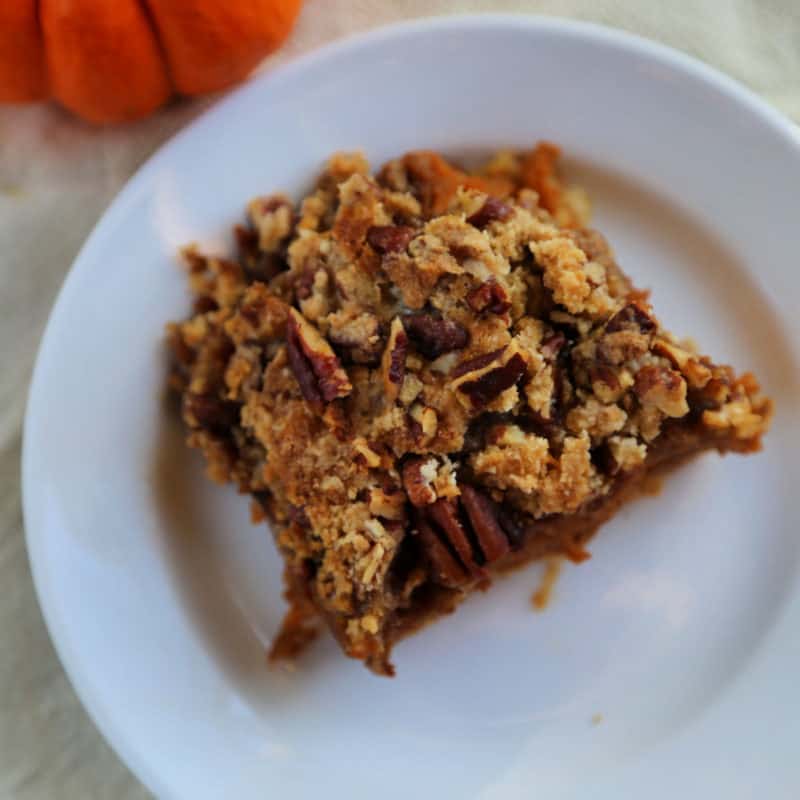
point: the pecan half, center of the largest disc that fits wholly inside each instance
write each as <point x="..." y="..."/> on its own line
<point x="389" y="238"/>
<point x="433" y="336"/>
<point x="444" y="515"/>
<point x="484" y="389"/>
<point x="490" y="297"/>
<point x="488" y="531"/>
<point x="444" y="565"/>
<point x="314" y="364"/>
<point x="493" y="209"/>
<point x="472" y="531"/>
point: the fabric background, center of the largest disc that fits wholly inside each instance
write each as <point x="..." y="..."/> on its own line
<point x="57" y="175"/>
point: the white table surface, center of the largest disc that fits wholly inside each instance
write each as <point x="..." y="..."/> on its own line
<point x="57" y="175"/>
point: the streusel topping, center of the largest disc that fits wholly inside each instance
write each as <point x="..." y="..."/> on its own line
<point x="429" y="360"/>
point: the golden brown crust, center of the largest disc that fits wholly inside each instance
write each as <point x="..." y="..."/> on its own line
<point x="430" y="375"/>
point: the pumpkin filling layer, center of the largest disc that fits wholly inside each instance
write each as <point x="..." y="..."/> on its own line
<point x="428" y="376"/>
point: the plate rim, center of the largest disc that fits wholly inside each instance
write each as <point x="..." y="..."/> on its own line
<point x="687" y="66"/>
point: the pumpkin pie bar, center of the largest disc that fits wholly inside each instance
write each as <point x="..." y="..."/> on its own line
<point x="428" y="376"/>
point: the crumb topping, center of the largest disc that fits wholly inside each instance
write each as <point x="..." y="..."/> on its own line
<point x="409" y="370"/>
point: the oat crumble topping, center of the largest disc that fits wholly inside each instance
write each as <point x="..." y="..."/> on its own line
<point x="417" y="374"/>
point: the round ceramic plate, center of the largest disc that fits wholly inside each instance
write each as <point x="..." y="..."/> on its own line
<point x="665" y="666"/>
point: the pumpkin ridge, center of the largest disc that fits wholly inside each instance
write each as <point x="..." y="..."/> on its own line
<point x="212" y="44"/>
<point x="23" y="70"/>
<point x="111" y="61"/>
<point x="162" y="48"/>
<point x="102" y="59"/>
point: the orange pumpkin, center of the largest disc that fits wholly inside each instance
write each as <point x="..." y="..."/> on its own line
<point x="117" y="60"/>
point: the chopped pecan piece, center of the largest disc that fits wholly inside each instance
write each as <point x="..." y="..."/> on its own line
<point x="414" y="428"/>
<point x="208" y="412"/>
<point x="552" y="344"/>
<point x="603" y="459"/>
<point x="482" y="515"/>
<point x="262" y="507"/>
<point x="358" y="340"/>
<point x="476" y="363"/>
<point x="303" y="284"/>
<point x="418" y="476"/>
<point x="510" y="525"/>
<point x="493" y="209"/>
<point x="297" y="515"/>
<point x="627" y="335"/>
<point x="410" y="389"/>
<point x="303" y="373"/>
<point x="600" y="373"/>
<point x="737" y="415"/>
<point x="433" y="336"/>
<point x="203" y="304"/>
<point x="484" y="389"/>
<point x="388" y="502"/>
<point x="633" y="315"/>
<point x="368" y="454"/>
<point x="257" y="264"/>
<point x="273" y="220"/>
<point x="393" y="363"/>
<point x="314" y="364"/>
<point x="262" y="317"/>
<point x="267" y="205"/>
<point x="427" y="419"/>
<point x="627" y="452"/>
<point x="389" y="238"/>
<point x="695" y="372"/>
<point x="715" y="393"/>
<point x="620" y="346"/>
<point x="664" y="388"/>
<point x="491" y="297"/>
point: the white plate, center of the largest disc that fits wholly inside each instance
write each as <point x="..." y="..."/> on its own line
<point x="666" y="666"/>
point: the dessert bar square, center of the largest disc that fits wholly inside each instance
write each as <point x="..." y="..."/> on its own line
<point x="428" y="376"/>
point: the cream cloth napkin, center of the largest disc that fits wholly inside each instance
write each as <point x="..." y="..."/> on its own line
<point x="57" y="175"/>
